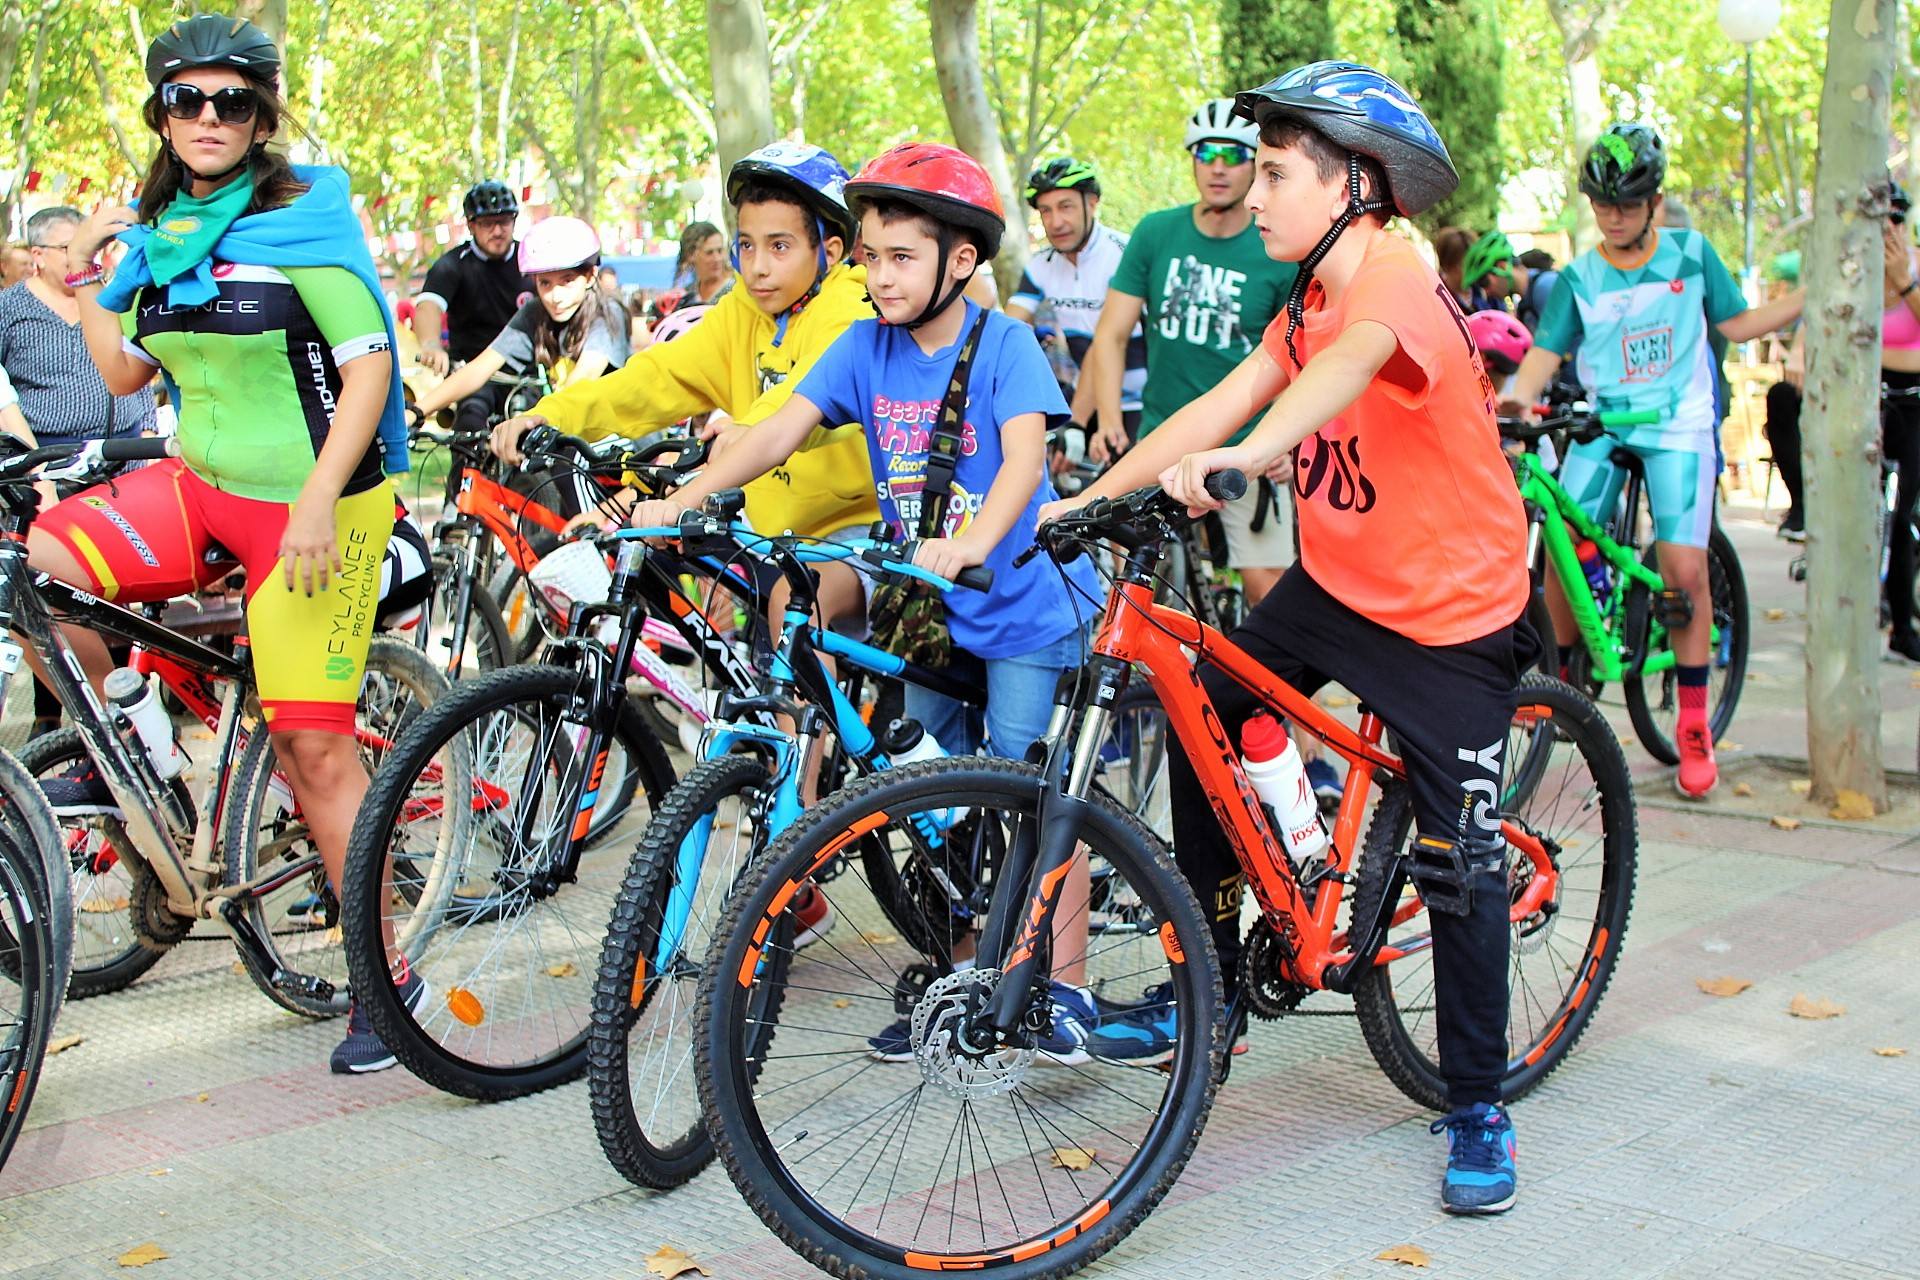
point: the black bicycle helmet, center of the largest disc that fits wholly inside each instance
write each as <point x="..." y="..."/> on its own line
<point x="212" y="40"/>
<point x="1897" y="203"/>
<point x="490" y="198"/>
<point x="1625" y="165"/>
<point x="1063" y="174"/>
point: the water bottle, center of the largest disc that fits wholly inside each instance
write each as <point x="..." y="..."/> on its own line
<point x="1594" y="565"/>
<point x="908" y="742"/>
<point x="1279" y="778"/>
<point x="135" y="699"/>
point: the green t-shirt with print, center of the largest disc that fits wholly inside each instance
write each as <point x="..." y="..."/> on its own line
<point x="1208" y="300"/>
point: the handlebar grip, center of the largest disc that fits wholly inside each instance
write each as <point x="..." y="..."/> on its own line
<point x="1228" y="486"/>
<point x="139" y="449"/>
<point x="1628" y="417"/>
<point x="976" y="578"/>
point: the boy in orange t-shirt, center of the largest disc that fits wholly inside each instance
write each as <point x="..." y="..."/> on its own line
<point x="1412" y="582"/>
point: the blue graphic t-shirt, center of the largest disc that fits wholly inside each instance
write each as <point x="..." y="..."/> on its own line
<point x="1641" y="338"/>
<point x="876" y="375"/>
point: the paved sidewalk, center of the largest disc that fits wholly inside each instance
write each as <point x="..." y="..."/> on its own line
<point x="1688" y="1136"/>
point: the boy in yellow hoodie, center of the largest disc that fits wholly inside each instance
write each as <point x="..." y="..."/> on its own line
<point x="793" y="295"/>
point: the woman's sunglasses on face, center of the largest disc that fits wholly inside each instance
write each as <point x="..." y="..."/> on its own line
<point x="1232" y="153"/>
<point x="234" y="104"/>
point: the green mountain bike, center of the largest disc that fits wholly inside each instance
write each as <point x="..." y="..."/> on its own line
<point x="1624" y="623"/>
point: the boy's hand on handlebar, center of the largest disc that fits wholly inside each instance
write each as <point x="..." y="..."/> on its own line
<point x="1061" y="507"/>
<point x="1186" y="480"/>
<point x="1520" y="409"/>
<point x="506" y="436"/>
<point x="948" y="557"/>
<point x="657" y="512"/>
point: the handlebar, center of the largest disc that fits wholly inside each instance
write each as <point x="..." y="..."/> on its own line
<point x="895" y="559"/>
<point x="1581" y="424"/>
<point x="82" y="456"/>
<point x="1132" y="519"/>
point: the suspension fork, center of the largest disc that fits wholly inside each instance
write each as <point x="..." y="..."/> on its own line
<point x="1020" y="922"/>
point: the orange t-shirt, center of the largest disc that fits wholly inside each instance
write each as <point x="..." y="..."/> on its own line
<point x="1409" y="514"/>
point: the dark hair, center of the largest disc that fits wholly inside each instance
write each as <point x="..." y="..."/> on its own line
<point x="274" y="185"/>
<point x="1329" y="159"/>
<point x="1537" y="260"/>
<point x="758" y="192"/>
<point x="1450" y="245"/>
<point x="554" y="342"/>
<point x="691" y="239"/>
<point x="892" y="211"/>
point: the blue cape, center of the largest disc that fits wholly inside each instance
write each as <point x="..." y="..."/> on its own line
<point x="319" y="229"/>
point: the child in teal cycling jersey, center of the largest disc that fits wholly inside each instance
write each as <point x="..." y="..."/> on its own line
<point x="1634" y="313"/>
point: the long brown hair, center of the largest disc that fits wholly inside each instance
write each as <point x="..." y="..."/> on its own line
<point x="274" y="185"/>
<point x="554" y="341"/>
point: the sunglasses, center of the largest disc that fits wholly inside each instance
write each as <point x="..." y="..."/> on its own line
<point x="1234" y="153"/>
<point x="234" y="104"/>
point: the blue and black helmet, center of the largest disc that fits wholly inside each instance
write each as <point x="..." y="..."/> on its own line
<point x="809" y="172"/>
<point x="1366" y="113"/>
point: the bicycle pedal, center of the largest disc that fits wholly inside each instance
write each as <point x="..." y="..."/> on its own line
<point x="1673" y="608"/>
<point x="305" y="986"/>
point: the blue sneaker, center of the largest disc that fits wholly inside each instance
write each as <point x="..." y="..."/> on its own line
<point x="1326" y="784"/>
<point x="895" y="1044"/>
<point x="1074" y="1019"/>
<point x="1146" y="1032"/>
<point x="363" y="1050"/>
<point x="1480" y="1175"/>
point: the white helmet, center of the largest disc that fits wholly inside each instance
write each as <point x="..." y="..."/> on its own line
<point x="1216" y="122"/>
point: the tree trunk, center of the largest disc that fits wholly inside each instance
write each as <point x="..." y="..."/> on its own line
<point x="1584" y="26"/>
<point x="477" y="98"/>
<point x="956" y="56"/>
<point x="1842" y="418"/>
<point x="110" y="108"/>
<point x="271" y="17"/>
<point x="13" y="27"/>
<point x="742" y="80"/>
<point x="504" y="112"/>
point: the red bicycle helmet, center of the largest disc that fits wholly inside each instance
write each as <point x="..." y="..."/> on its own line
<point x="947" y="185"/>
<point x="1503" y="340"/>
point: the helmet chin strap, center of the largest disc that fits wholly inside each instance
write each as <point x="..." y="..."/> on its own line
<point x="1086" y="234"/>
<point x="821" y="267"/>
<point x="1357" y="207"/>
<point x="941" y="300"/>
<point x="1640" y="241"/>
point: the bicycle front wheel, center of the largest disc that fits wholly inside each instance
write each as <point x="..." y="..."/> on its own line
<point x="29" y="980"/>
<point x="464" y="861"/>
<point x="1568" y="795"/>
<point x="1653" y="702"/>
<point x="933" y="1144"/>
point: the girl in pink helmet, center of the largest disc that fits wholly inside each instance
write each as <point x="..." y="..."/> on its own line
<point x="567" y="330"/>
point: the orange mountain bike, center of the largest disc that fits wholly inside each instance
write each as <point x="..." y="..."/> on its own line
<point x="988" y="1145"/>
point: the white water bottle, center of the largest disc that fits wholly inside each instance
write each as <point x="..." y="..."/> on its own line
<point x="1279" y="778"/>
<point x="136" y="700"/>
<point x="921" y="744"/>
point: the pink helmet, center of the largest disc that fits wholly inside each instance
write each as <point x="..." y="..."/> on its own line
<point x="679" y="320"/>
<point x="1503" y="341"/>
<point x="558" y="244"/>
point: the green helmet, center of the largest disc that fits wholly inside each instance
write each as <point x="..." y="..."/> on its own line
<point x="1491" y="254"/>
<point x="1064" y="174"/>
<point x="1625" y="165"/>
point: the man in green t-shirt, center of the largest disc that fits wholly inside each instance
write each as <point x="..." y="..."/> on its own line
<point x="1198" y="279"/>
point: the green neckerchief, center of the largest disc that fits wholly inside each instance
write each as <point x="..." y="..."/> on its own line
<point x="186" y="230"/>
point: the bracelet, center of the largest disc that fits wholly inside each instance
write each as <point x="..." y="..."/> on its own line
<point x="1911" y="286"/>
<point x="92" y="273"/>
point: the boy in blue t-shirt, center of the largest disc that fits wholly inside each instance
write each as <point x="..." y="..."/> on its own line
<point x="929" y="216"/>
<point x="1634" y="313"/>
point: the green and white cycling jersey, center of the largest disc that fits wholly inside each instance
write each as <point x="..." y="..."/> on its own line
<point x="1639" y="338"/>
<point x="258" y="372"/>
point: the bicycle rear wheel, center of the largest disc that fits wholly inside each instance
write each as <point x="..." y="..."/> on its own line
<point x="1576" y="801"/>
<point x="24" y="815"/>
<point x="1653" y="702"/>
<point x="956" y="1153"/>
<point x="460" y="856"/>
<point x="640" y="1055"/>
<point x="487" y="646"/>
<point x="29" y="980"/>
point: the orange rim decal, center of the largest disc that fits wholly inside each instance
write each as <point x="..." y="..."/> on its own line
<point x="639" y="983"/>
<point x="1170" y="943"/>
<point x="847" y="837"/>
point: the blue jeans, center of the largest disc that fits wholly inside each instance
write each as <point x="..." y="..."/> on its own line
<point x="1019" y="702"/>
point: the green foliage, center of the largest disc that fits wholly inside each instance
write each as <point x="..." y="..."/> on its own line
<point x="1260" y="39"/>
<point x="1451" y="57"/>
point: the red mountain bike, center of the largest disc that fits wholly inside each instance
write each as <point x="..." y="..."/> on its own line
<point x="983" y="1153"/>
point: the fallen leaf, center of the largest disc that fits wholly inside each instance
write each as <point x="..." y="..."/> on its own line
<point x="1815" y="1010"/>
<point x="563" y="970"/>
<point x="1411" y="1255"/>
<point x="670" y="1262"/>
<point x="200" y="1098"/>
<point x="104" y="906"/>
<point x="1722" y="987"/>
<point x="141" y="1255"/>
<point x="1776" y="615"/>
<point x="1742" y="789"/>
<point x="158" y="1173"/>
<point x="1073" y="1157"/>
<point x="1913" y="681"/>
<point x="879" y="939"/>
<point x="1337" y="700"/>
<point x="1726" y="744"/>
<point x="239" y="968"/>
<point x="1851" y="806"/>
<point x="1890" y="1052"/>
<point x="336" y="935"/>
<point x="842" y="1004"/>
<point x="1800" y="786"/>
<point x="1785" y="823"/>
<point x="60" y="1044"/>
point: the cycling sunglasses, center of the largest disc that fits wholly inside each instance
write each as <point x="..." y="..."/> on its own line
<point x="1233" y="153"/>
<point x="234" y="104"/>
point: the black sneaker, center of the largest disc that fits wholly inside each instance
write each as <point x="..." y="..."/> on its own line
<point x="363" y="1050"/>
<point x="1793" y="529"/>
<point x="80" y="792"/>
<point x="1900" y="645"/>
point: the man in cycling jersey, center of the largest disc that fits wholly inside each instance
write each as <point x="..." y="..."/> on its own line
<point x="1071" y="278"/>
<point x="1198" y="278"/>
<point x="1635" y="313"/>
<point x="473" y="289"/>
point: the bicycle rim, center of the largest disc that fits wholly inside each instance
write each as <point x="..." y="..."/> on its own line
<point x="1653" y="702"/>
<point x="1001" y="1160"/>
<point x="27" y="982"/>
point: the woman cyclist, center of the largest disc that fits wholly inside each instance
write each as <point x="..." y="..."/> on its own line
<point x="247" y="283"/>
<point x="702" y="271"/>
<point x="568" y="328"/>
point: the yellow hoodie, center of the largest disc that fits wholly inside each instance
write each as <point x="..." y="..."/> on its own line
<point x="728" y="362"/>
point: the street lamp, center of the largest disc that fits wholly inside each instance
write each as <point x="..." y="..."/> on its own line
<point x="1747" y="22"/>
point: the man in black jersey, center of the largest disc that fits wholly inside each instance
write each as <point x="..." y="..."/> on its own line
<point x="474" y="289"/>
